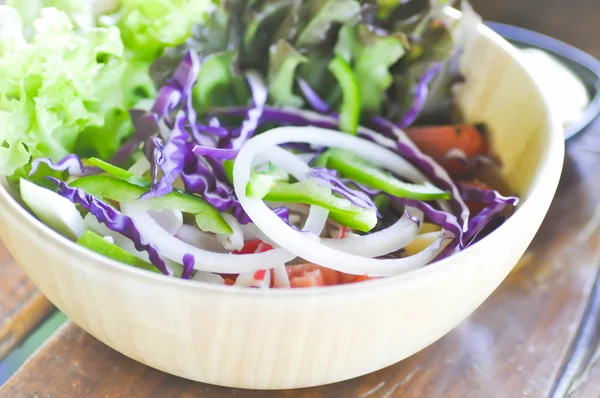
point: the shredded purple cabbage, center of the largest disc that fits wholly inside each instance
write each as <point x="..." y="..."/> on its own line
<point x="447" y="221"/>
<point x="70" y="163"/>
<point x="113" y="219"/>
<point x="188" y="266"/>
<point x="230" y="148"/>
<point x="420" y="93"/>
<point x="313" y="99"/>
<point x="495" y="204"/>
<point x="330" y="179"/>
<point x="170" y="159"/>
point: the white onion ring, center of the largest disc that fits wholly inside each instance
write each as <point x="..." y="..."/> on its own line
<point x="125" y="243"/>
<point x="234" y="240"/>
<point x="174" y="249"/>
<point x="170" y="219"/>
<point x="380" y="243"/>
<point x="281" y="277"/>
<point x="297" y="242"/>
<point x="208" y="277"/>
<point x="200" y="239"/>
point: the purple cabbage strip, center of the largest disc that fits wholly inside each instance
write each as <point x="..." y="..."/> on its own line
<point x="199" y="177"/>
<point x="188" y="266"/>
<point x="186" y="74"/>
<point x="329" y="179"/>
<point x="71" y="163"/>
<point x="252" y="119"/>
<point x="420" y="93"/>
<point x="283" y="213"/>
<point x="170" y="159"/>
<point x="367" y="190"/>
<point x="218" y="131"/>
<point x="447" y="221"/>
<point x="113" y="219"/>
<point x="412" y="218"/>
<point x="312" y="97"/>
<point x="496" y="204"/>
<point x="167" y="100"/>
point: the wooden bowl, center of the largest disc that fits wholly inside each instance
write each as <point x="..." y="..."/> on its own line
<point x="273" y="339"/>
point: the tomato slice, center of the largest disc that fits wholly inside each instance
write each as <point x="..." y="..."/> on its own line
<point x="308" y="279"/>
<point x="254" y="246"/>
<point x="329" y="276"/>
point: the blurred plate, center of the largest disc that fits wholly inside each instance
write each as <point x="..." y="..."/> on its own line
<point x="586" y="67"/>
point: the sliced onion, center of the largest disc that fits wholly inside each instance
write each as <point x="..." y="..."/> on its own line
<point x="252" y="232"/>
<point x="174" y="249"/>
<point x="140" y="167"/>
<point x="235" y="240"/>
<point x="170" y="219"/>
<point x="299" y="243"/>
<point x="281" y="277"/>
<point x="200" y="239"/>
<point x="380" y="243"/>
<point x="125" y="243"/>
<point x="208" y="277"/>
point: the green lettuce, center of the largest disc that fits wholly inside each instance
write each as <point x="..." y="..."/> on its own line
<point x="51" y="86"/>
<point x="150" y="26"/>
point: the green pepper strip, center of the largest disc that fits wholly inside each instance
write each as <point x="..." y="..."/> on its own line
<point x="207" y="217"/>
<point x="96" y="243"/>
<point x="310" y="193"/>
<point x="366" y="173"/>
<point x="350" y="108"/>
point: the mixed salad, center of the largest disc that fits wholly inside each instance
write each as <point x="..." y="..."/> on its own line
<point x="256" y="143"/>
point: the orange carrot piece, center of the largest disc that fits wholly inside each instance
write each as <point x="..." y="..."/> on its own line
<point x="438" y="141"/>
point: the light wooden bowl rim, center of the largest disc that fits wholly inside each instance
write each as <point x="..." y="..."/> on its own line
<point x="543" y="176"/>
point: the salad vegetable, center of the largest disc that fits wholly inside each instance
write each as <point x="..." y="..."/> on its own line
<point x="264" y="144"/>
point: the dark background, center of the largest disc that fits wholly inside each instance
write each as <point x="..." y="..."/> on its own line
<point x="576" y="22"/>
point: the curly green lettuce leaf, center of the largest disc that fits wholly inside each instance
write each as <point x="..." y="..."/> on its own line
<point x="283" y="61"/>
<point x="375" y="56"/>
<point x="326" y="14"/>
<point x="50" y="86"/>
<point x="79" y="12"/>
<point x="150" y="26"/>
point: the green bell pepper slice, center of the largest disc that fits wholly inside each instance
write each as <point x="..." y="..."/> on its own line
<point x="366" y="173"/>
<point x="96" y="243"/>
<point x="350" y="108"/>
<point x="309" y="192"/>
<point x="207" y="217"/>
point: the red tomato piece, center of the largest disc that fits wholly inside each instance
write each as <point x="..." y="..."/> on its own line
<point x="308" y="279"/>
<point x="330" y="276"/>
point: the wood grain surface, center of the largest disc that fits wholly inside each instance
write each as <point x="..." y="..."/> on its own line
<point x="22" y="307"/>
<point x="537" y="336"/>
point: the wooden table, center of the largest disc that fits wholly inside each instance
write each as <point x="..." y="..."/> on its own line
<point x="537" y="335"/>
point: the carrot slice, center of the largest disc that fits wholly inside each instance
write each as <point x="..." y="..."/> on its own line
<point x="438" y="141"/>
